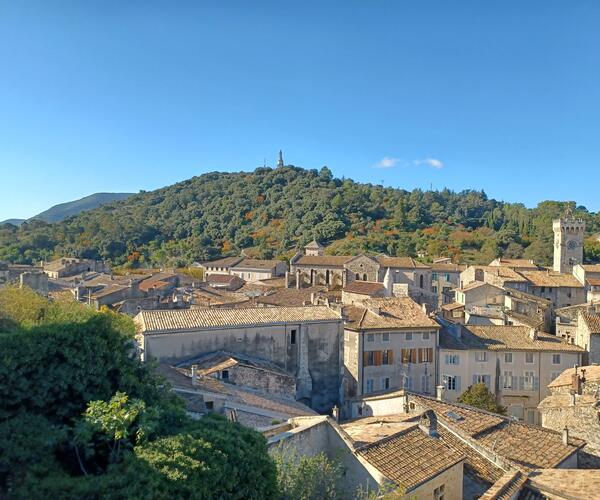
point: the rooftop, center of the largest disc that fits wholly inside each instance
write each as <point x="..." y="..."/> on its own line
<point x="508" y="338"/>
<point x="259" y="264"/>
<point x="387" y="313"/>
<point x="567" y="483"/>
<point x="224" y="262"/>
<point x="592" y="373"/>
<point x="552" y="279"/>
<point x="151" y="322"/>
<point x="410" y="457"/>
<point x="220" y="360"/>
<point x="592" y="321"/>
<point x="401" y="262"/>
<point x="591" y="268"/>
<point x="364" y="287"/>
<point x="323" y="260"/>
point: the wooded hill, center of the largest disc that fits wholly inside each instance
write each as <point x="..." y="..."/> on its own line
<point x="272" y="212"/>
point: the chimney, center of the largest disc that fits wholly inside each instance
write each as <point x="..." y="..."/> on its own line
<point x="194" y="374"/>
<point x="565" y="436"/>
<point x="439" y="392"/>
<point x="313" y="298"/>
<point x="405" y="406"/>
<point x="336" y="413"/>
<point x="428" y="423"/>
<point x="533" y="333"/>
<point x="287" y="279"/>
<point x="576" y="382"/>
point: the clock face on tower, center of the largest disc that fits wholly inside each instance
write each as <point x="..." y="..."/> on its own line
<point x="571" y="244"/>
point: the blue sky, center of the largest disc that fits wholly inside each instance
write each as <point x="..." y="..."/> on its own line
<point x="121" y="96"/>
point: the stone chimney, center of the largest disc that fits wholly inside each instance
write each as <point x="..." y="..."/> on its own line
<point x="533" y="333"/>
<point x="335" y="412"/>
<point x="575" y="382"/>
<point x="439" y="392"/>
<point x="565" y="436"/>
<point x="194" y="374"/>
<point x="428" y="423"/>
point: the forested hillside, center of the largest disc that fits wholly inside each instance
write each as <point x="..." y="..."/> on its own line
<point x="271" y="212"/>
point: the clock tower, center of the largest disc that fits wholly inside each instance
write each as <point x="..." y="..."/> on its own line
<point x="568" y="242"/>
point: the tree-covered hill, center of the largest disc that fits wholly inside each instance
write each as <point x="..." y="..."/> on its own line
<point x="271" y="212"/>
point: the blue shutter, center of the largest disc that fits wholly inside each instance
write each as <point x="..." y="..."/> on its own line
<point x="474" y="379"/>
<point x="487" y="380"/>
<point x="536" y="383"/>
<point x="521" y="383"/>
<point x="447" y="357"/>
<point x="458" y="384"/>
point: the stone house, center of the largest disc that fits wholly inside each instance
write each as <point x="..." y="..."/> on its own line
<point x="220" y="266"/>
<point x="515" y="264"/>
<point x="501" y="456"/>
<point x="224" y="281"/>
<point x="561" y="289"/>
<point x="573" y="403"/>
<point x="587" y="336"/>
<point x="479" y="294"/>
<point x="589" y="276"/>
<point x="304" y="341"/>
<point x="445" y="277"/>
<point x="516" y="363"/>
<point x="502" y="277"/>
<point x="358" y="291"/>
<point x="68" y="266"/>
<point x="252" y="270"/>
<point x="389" y="343"/>
<point x="246" y="371"/>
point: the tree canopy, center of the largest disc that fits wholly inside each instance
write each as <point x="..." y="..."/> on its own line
<point x="271" y="212"/>
<point x="81" y="417"/>
<point x="479" y="396"/>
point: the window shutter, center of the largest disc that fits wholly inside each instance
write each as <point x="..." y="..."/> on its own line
<point x="365" y="358"/>
<point x="377" y="357"/>
<point x="413" y="355"/>
<point x="536" y="383"/>
<point x="487" y="380"/>
<point x="521" y="383"/>
<point x="447" y="359"/>
<point x="457" y="383"/>
<point x="474" y="379"/>
<point x="430" y="354"/>
<point x="390" y="357"/>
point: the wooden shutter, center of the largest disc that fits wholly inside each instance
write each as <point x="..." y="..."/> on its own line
<point x="390" y="354"/>
<point x="413" y="355"/>
<point x="365" y="358"/>
<point x="430" y="354"/>
<point x="377" y="358"/>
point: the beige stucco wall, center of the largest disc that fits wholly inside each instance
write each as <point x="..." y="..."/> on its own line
<point x="451" y="479"/>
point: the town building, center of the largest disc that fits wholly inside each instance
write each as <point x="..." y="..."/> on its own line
<point x="515" y="264"/>
<point x="252" y="270"/>
<point x="445" y="277"/>
<point x="569" y="233"/>
<point x="502" y="277"/>
<point x="68" y="266"/>
<point x="589" y="276"/>
<point x="573" y="403"/>
<point x="220" y="266"/>
<point x="389" y="343"/>
<point x="304" y="341"/>
<point x="516" y="363"/>
<point x="561" y="289"/>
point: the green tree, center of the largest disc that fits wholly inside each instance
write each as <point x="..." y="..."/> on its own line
<point x="480" y="396"/>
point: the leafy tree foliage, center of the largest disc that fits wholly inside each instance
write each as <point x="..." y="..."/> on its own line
<point x="479" y="395"/>
<point x="270" y="212"/>
<point x="81" y="417"/>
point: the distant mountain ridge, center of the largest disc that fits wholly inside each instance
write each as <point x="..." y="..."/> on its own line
<point x="60" y="212"/>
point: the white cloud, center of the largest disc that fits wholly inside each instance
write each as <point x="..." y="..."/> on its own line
<point x="387" y="162"/>
<point x="431" y="162"/>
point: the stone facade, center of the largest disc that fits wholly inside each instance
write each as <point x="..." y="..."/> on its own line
<point x="568" y="243"/>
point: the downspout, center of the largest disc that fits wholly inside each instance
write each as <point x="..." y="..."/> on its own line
<point x="362" y="365"/>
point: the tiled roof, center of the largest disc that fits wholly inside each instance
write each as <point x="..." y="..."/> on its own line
<point x="522" y="263"/>
<point x="401" y="262"/>
<point x="410" y="457"/>
<point x="593" y="281"/>
<point x="526" y="446"/>
<point x="551" y="279"/>
<point x="514" y="338"/>
<point x="591" y="268"/>
<point x="314" y="245"/>
<point x="235" y="394"/>
<point x="148" y="285"/>
<point x="394" y="312"/>
<point x="452" y="306"/>
<point x="503" y="273"/>
<point x="193" y="319"/>
<point x="290" y="297"/>
<point x="592" y="321"/>
<point x="567" y="483"/>
<point x="224" y="262"/>
<point x="323" y="260"/>
<point x="265" y="265"/>
<point x="367" y="430"/>
<point x="444" y="267"/>
<point x="477" y="284"/>
<point x="219" y="360"/>
<point x="364" y="287"/>
<point x="108" y="290"/>
<point x="592" y="373"/>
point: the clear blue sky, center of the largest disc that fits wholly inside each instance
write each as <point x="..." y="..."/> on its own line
<point x="129" y="95"/>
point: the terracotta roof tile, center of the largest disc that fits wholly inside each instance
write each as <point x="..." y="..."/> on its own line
<point x="401" y="262"/>
<point x="551" y="279"/>
<point x="257" y="264"/>
<point x="592" y="321"/>
<point x="592" y="373"/>
<point x="514" y="338"/>
<point x="567" y="483"/>
<point x="364" y="287"/>
<point x="323" y="260"/>
<point x="394" y="312"/>
<point x="410" y="457"/>
<point x="191" y="319"/>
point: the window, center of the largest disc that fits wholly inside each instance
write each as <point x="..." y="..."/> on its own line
<point x="529" y="357"/>
<point x="434" y="276"/>
<point x="364" y="277"/>
<point x="425" y="383"/>
<point x="452" y="359"/>
<point x="425" y="335"/>
<point x="225" y="374"/>
<point x="434" y="289"/>
<point x="385" y="337"/>
<point x="388" y="357"/>
<point x="209" y="405"/>
<point x="385" y="383"/>
<point x="370" y="337"/>
<point x="405" y="356"/>
<point x="425" y="355"/>
<point x="357" y="277"/>
<point x="482" y="379"/>
<point x="292" y="336"/>
<point x="447" y="277"/>
<point x="508" y="357"/>
<point x="528" y="381"/>
<point x="369" y="358"/>
<point x="369" y="385"/>
<point x="508" y="380"/>
<point x="451" y="382"/>
<point x="481" y="356"/>
<point x="438" y="493"/>
<point x="556" y="359"/>
<point x="409" y="336"/>
<point x="421" y="280"/>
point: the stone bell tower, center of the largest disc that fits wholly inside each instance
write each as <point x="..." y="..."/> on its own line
<point x="568" y="242"/>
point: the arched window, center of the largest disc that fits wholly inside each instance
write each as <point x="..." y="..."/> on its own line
<point x="357" y="277"/>
<point x="364" y="277"/>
